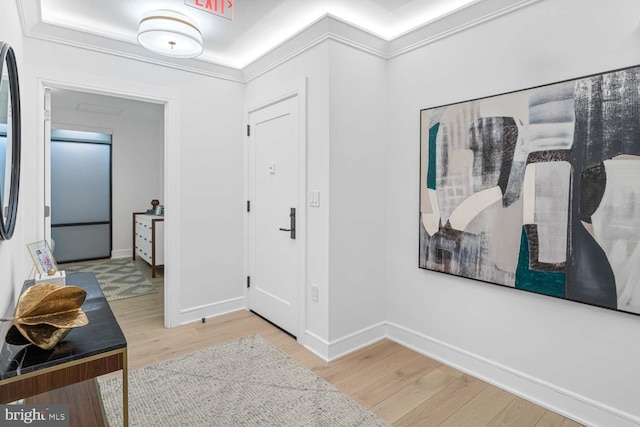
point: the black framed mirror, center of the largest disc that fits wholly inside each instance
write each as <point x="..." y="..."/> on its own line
<point x="10" y="141"/>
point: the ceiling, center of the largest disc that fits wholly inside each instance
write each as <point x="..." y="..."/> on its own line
<point x="257" y="26"/>
<point x="103" y="105"/>
<point x="260" y="34"/>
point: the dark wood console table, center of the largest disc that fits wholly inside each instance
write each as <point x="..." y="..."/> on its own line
<point x="87" y="352"/>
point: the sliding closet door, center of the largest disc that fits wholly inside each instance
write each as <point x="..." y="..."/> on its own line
<point x="80" y="195"/>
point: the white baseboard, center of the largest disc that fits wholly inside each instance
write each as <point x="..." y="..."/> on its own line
<point x="572" y="405"/>
<point x="332" y="350"/>
<point x="121" y="253"/>
<point x="555" y="398"/>
<point x="580" y="408"/>
<point x="195" y="314"/>
<point x="357" y="340"/>
<point x="316" y="345"/>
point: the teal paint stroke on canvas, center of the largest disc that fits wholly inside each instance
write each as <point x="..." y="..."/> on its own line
<point x="431" y="168"/>
<point x="544" y="282"/>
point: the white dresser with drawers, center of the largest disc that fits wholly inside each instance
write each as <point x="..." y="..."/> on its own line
<point x="148" y="239"/>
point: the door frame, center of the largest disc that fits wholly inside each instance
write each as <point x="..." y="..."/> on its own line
<point x="297" y="89"/>
<point x="171" y="100"/>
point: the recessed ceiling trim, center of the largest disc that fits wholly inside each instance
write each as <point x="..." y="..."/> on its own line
<point x="438" y="18"/>
<point x="220" y="75"/>
<point x="309" y="46"/>
<point x="131" y="39"/>
<point x="287" y="58"/>
<point x="426" y="39"/>
<point x="325" y="28"/>
<point x="22" y="16"/>
<point x="328" y="27"/>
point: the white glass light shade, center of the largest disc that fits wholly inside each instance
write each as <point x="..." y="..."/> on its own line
<point x="170" y="33"/>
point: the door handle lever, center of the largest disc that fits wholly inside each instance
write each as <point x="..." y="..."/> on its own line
<point x="292" y="221"/>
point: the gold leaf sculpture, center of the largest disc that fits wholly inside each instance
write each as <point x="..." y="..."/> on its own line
<point x="46" y="313"/>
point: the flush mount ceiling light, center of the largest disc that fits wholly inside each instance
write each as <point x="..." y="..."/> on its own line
<point x="170" y="33"/>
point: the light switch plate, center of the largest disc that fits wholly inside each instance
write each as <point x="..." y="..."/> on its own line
<point x="272" y="168"/>
<point x="314" y="198"/>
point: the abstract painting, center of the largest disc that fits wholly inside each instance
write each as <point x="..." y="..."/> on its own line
<point x="538" y="190"/>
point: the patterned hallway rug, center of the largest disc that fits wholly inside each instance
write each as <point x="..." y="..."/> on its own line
<point x="245" y="382"/>
<point x="119" y="278"/>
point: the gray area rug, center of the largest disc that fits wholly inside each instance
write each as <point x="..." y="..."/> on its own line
<point x="119" y="278"/>
<point x="245" y="382"/>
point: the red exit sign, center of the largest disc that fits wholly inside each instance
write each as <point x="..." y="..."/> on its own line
<point x="223" y="8"/>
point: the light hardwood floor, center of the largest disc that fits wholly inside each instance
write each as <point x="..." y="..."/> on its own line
<point x="399" y="385"/>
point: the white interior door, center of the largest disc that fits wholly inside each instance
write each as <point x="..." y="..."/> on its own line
<point x="274" y="192"/>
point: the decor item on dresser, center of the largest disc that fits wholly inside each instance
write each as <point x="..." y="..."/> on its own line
<point x="10" y="139"/>
<point x="46" y="313"/>
<point x="154" y="206"/>
<point x="148" y="239"/>
<point x="538" y="189"/>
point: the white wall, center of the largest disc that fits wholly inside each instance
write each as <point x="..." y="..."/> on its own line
<point x="136" y="159"/>
<point x="357" y="215"/>
<point x="210" y="152"/>
<point x="541" y="347"/>
<point x="346" y="126"/>
<point x="314" y="66"/>
<point x="212" y="193"/>
<point x="576" y="359"/>
<point x="13" y="253"/>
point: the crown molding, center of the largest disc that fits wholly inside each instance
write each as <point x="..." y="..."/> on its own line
<point x="197" y="67"/>
<point x="472" y="15"/>
<point x="330" y="27"/>
<point x="22" y="15"/>
<point x="33" y="27"/>
<point x="327" y="27"/>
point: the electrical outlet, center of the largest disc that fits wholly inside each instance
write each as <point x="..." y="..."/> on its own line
<point x="314" y="293"/>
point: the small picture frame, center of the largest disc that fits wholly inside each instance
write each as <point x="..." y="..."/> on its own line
<point x="160" y="210"/>
<point x="42" y="257"/>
